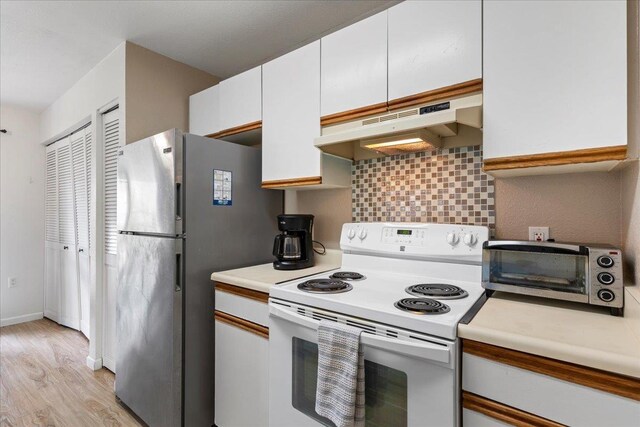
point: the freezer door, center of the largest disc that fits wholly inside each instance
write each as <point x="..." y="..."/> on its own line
<point x="149" y="327"/>
<point x="150" y="185"/>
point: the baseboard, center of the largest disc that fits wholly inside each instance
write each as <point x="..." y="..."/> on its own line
<point x="94" y="364"/>
<point x="21" y="319"/>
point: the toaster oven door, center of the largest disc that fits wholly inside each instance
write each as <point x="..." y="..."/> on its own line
<point x="540" y="270"/>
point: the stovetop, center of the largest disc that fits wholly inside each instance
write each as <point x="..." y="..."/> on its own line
<point x="390" y="266"/>
<point x="374" y="299"/>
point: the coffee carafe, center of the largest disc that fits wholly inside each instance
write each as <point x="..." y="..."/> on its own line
<point x="293" y="248"/>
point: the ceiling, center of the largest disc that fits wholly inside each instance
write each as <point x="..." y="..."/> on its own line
<point x="46" y="46"/>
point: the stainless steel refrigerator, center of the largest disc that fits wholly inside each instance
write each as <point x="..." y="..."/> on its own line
<point x="187" y="206"/>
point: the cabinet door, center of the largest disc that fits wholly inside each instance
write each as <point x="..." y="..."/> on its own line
<point x="354" y="66"/>
<point x="81" y="161"/>
<point x="204" y="112"/>
<point x="52" y="280"/>
<point x="69" y="314"/>
<point x="433" y="44"/>
<point x="242" y="375"/>
<point x="241" y="99"/>
<point x="554" y="76"/>
<point x="291" y="91"/>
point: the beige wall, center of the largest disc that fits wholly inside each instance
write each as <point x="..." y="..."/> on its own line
<point x="157" y="92"/>
<point x="577" y="207"/>
<point x="331" y="209"/>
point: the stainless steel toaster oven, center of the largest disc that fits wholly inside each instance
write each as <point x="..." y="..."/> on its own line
<point x="590" y="274"/>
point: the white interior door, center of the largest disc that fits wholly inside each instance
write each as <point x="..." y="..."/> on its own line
<point x="111" y="138"/>
<point x="81" y="160"/>
<point x="69" y="291"/>
<point x="52" y="239"/>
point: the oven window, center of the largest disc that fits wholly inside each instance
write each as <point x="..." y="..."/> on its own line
<point x="385" y="388"/>
<point x="552" y="271"/>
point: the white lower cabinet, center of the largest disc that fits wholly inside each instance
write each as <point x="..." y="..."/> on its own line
<point x="527" y="395"/>
<point x="242" y="358"/>
<point x="242" y="363"/>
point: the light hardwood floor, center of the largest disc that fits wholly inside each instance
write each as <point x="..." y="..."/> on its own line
<point x="44" y="380"/>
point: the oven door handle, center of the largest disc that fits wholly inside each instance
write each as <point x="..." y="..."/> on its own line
<point x="423" y="350"/>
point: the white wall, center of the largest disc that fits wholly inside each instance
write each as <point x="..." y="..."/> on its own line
<point x="21" y="216"/>
<point x="100" y="86"/>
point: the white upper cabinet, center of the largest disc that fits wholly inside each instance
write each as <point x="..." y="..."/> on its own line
<point x="204" y="112"/>
<point x="433" y="44"/>
<point x="291" y="96"/>
<point x="555" y="78"/>
<point x="291" y="121"/>
<point x="241" y="99"/>
<point x="354" y="66"/>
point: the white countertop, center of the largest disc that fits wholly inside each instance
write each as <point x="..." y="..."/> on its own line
<point x="262" y="277"/>
<point x="577" y="333"/>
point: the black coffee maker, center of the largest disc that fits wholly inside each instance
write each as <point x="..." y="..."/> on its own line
<point x="293" y="248"/>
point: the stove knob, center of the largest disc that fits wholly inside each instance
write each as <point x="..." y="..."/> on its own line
<point x="469" y="239"/>
<point x="351" y="234"/>
<point x="452" y="239"/>
<point x="363" y="234"/>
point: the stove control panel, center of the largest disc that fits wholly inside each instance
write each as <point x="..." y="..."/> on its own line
<point x="421" y="240"/>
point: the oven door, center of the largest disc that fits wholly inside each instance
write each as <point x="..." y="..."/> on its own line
<point x="410" y="379"/>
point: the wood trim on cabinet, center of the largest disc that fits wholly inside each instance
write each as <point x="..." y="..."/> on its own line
<point x="507" y="414"/>
<point x="292" y="182"/>
<point x="446" y="92"/>
<point x="587" y="155"/>
<point x="348" y="115"/>
<point x="608" y="382"/>
<point x="242" y="292"/>
<point x="236" y="130"/>
<point x="238" y="322"/>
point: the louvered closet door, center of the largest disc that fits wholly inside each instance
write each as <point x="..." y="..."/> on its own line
<point x="69" y="289"/>
<point x="52" y="240"/>
<point x="111" y="138"/>
<point x="81" y="161"/>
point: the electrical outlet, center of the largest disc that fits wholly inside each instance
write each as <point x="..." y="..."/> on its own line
<point x="13" y="282"/>
<point x="539" y="234"/>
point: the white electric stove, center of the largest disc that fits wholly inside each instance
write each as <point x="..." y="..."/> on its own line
<point x="407" y="286"/>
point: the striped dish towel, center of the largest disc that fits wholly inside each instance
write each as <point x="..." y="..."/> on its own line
<point x="340" y="390"/>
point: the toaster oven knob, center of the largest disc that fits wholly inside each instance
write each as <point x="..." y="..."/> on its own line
<point x="605" y="261"/>
<point x="606" y="295"/>
<point x="452" y="238"/>
<point x="606" y="278"/>
<point x="469" y="239"/>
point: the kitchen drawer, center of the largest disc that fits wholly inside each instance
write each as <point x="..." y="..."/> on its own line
<point x="545" y="396"/>
<point x="243" y="303"/>
<point x="476" y="419"/>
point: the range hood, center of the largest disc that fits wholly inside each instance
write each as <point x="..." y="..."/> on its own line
<point x="447" y="123"/>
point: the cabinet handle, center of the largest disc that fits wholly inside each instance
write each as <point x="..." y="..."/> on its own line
<point x="80" y="250"/>
<point x="65" y="247"/>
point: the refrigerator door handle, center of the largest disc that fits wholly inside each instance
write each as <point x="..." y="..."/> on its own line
<point x="178" y="201"/>
<point x="178" y="272"/>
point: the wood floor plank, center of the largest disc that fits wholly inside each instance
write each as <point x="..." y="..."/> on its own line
<point x="44" y="380"/>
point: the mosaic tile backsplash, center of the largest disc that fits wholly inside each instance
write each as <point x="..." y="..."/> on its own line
<point x="442" y="186"/>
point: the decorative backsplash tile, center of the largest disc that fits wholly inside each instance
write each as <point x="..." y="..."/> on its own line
<point x="441" y="186"/>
